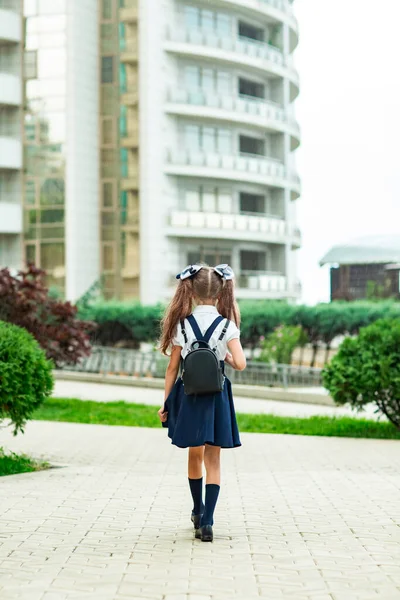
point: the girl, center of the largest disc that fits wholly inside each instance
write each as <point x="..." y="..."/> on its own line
<point x="205" y="424"/>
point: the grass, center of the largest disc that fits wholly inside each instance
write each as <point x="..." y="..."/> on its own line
<point x="12" y="464"/>
<point x="140" y="415"/>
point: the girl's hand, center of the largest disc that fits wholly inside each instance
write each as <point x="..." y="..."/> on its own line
<point x="162" y="414"/>
<point x="229" y="359"/>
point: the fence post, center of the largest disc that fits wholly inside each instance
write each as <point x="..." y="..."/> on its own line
<point x="285" y="376"/>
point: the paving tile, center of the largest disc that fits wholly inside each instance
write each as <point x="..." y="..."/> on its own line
<point x="302" y="518"/>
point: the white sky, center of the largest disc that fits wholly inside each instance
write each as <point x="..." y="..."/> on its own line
<point x="349" y="112"/>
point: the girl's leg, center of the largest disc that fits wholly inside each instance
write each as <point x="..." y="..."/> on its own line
<point x="212" y="455"/>
<point x="195" y="462"/>
<point x="195" y="473"/>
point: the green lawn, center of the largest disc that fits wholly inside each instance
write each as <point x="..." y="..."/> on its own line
<point x="140" y="415"/>
<point x="12" y="464"/>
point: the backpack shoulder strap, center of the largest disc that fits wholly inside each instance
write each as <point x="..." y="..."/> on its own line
<point x="196" y="328"/>
<point x="184" y="332"/>
<point x="223" y="332"/>
<point x="212" y="328"/>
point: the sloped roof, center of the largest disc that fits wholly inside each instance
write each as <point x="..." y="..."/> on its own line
<point x="380" y="249"/>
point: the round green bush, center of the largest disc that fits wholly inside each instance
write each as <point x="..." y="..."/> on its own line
<point x="366" y="370"/>
<point x="26" y="378"/>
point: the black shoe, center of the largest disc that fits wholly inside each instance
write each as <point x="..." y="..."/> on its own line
<point x="206" y="533"/>
<point x="196" y="520"/>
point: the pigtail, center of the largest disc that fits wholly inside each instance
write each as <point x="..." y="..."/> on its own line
<point x="178" y="309"/>
<point x="227" y="305"/>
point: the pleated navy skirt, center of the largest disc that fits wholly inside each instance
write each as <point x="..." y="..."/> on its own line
<point x="198" y="420"/>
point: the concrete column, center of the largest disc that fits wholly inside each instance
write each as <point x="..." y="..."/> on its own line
<point x="82" y="229"/>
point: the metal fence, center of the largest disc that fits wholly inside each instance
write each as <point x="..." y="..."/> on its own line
<point x="132" y="363"/>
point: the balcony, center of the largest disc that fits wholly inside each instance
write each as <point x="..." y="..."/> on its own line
<point x="10" y="90"/>
<point x="238" y="51"/>
<point x="129" y="99"/>
<point x="244" y="227"/>
<point x="129" y="15"/>
<point x="10" y="24"/>
<point x="130" y="183"/>
<point x="10" y="218"/>
<point x="131" y="140"/>
<point x="277" y="10"/>
<point x="242" y="109"/>
<point x="129" y="56"/>
<point x="244" y="168"/>
<point x="10" y="153"/>
<point x="272" y="285"/>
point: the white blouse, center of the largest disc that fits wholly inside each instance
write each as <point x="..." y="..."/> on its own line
<point x="205" y="315"/>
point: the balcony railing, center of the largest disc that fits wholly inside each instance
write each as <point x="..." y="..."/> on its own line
<point x="236" y="222"/>
<point x="258" y="165"/>
<point x="263" y="281"/>
<point x="241" y="45"/>
<point x="248" y="105"/>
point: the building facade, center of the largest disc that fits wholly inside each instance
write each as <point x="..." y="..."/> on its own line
<point x="11" y="149"/>
<point x="216" y="136"/>
<point x="365" y="268"/>
<point x="61" y="183"/>
<point x="159" y="133"/>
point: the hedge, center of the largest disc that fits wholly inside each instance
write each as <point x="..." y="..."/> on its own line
<point x="322" y="323"/>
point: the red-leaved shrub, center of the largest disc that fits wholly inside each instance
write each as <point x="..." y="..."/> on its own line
<point x="25" y="301"/>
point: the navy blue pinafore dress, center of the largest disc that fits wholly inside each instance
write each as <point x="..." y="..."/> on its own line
<point x="198" y="420"/>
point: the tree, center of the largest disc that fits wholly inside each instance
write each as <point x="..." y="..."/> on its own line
<point x="367" y="370"/>
<point x="279" y="346"/>
<point x="25" y="375"/>
<point x="25" y="301"/>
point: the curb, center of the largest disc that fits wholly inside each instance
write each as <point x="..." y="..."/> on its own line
<point x="240" y="390"/>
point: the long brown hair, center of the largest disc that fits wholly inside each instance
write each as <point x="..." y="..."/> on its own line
<point x="205" y="285"/>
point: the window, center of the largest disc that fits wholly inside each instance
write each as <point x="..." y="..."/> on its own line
<point x="108" y="257"/>
<point x="30" y="192"/>
<point x="251" y="260"/>
<point x="192" y="77"/>
<point x="107" y="9"/>
<point x="52" y="216"/>
<point x="209" y="256"/>
<point x="122" y="36"/>
<point x="123" y="79"/>
<point x="251" y="32"/>
<point x="107" y="69"/>
<point x="108" y="200"/>
<point x="224" y="141"/>
<point x="252" y="203"/>
<point x="192" y="17"/>
<point x="108" y="131"/>
<point x="123" y="121"/>
<point x="124" y="162"/>
<point x="249" y="145"/>
<point x="124" y="207"/>
<point x="224" y="82"/>
<point x="52" y="192"/>
<point x="30" y="254"/>
<point x="208" y="139"/>
<point x="224" y="25"/>
<point x="251" y="88"/>
<point x="52" y="256"/>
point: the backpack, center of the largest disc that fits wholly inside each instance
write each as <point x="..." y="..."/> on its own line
<point x="202" y="372"/>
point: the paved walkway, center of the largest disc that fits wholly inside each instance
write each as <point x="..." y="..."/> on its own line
<point x="299" y="517"/>
<point x="103" y="392"/>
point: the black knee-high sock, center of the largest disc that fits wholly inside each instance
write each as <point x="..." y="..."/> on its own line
<point x="212" y="492"/>
<point x="196" y="487"/>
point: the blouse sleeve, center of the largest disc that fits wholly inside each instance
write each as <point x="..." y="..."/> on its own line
<point x="233" y="332"/>
<point x="178" y="340"/>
